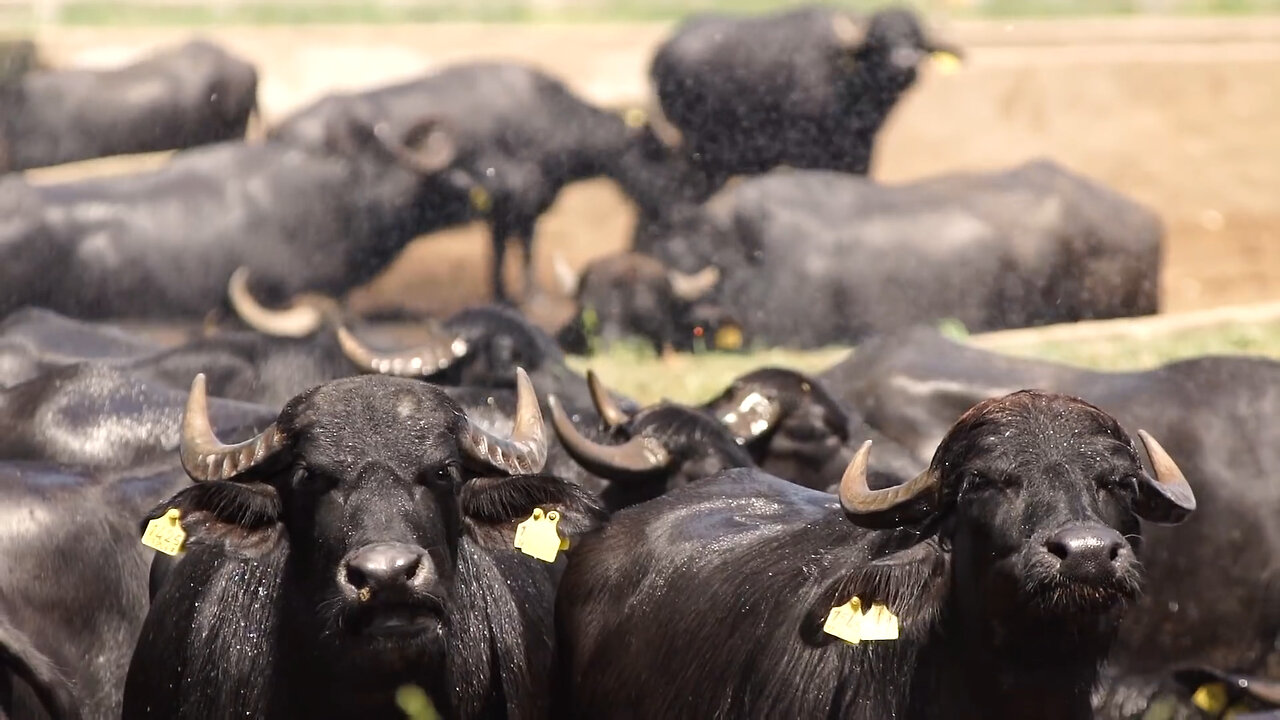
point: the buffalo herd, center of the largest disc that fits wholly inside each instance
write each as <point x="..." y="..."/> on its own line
<point x="272" y="507"/>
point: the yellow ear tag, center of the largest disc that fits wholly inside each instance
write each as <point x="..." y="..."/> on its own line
<point x="946" y="63"/>
<point x="879" y="623"/>
<point x="165" y="533"/>
<point x="480" y="199"/>
<point x="845" y="621"/>
<point x="635" y="117"/>
<point x="1211" y="698"/>
<point x="729" y="337"/>
<point x="538" y="536"/>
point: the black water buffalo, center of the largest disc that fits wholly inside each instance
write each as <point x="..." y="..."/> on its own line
<point x="807" y="87"/>
<point x="521" y="133"/>
<point x="35" y="340"/>
<point x="101" y="417"/>
<point x="164" y="243"/>
<point x="642" y="454"/>
<point x="815" y="258"/>
<point x="361" y="543"/>
<point x="73" y="593"/>
<point x="1222" y="414"/>
<point x="1006" y="567"/>
<point x="181" y="97"/>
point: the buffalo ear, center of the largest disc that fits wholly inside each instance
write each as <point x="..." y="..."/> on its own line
<point x="240" y="517"/>
<point x="912" y="583"/>
<point x="492" y="507"/>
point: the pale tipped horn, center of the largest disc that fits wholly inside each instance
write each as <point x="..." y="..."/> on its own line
<point x="612" y="415"/>
<point x="525" y="452"/>
<point x="204" y="457"/>
<point x="1167" y="499"/>
<point x="692" y="287"/>
<point x="566" y="277"/>
<point x="889" y="507"/>
<point x="639" y="456"/>
<point x="303" y="317"/>
<point x="440" y="352"/>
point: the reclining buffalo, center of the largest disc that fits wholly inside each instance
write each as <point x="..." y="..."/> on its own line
<point x="181" y="97"/>
<point x="815" y="258"/>
<point x="990" y="586"/>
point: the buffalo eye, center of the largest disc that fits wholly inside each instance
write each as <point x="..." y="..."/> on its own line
<point x="976" y="481"/>
<point x="1111" y="482"/>
<point x="446" y="477"/>
<point x="304" y="479"/>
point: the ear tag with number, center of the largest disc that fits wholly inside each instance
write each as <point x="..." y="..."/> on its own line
<point x="165" y="533"/>
<point x="845" y="621"/>
<point x="538" y="537"/>
<point x="849" y="623"/>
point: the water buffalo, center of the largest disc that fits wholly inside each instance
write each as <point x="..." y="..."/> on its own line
<point x="35" y="340"/>
<point x="181" y="97"/>
<point x="1220" y="411"/>
<point x="162" y="244"/>
<point x="807" y="87"/>
<point x="362" y="543"/>
<point x="812" y="258"/>
<point x="992" y="583"/>
<point x="521" y="133"/>
<point x="73" y="593"/>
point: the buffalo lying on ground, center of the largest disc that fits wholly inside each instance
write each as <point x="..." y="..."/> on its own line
<point x="1220" y="411"/>
<point x="34" y="341"/>
<point x="815" y="258"/>
<point x="164" y="243"/>
<point x="1006" y="566"/>
<point x="178" y="98"/>
<point x="360" y="544"/>
<point x="808" y="87"/>
<point x="521" y="133"/>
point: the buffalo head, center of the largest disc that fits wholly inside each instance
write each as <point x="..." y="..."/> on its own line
<point x="380" y="493"/>
<point x="650" y="451"/>
<point x="889" y="45"/>
<point x="789" y="422"/>
<point x="1037" y="498"/>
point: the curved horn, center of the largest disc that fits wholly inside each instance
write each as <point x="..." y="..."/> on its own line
<point x="1168" y="498"/>
<point x="298" y="320"/>
<point x="204" y="457"/>
<point x="639" y="456"/>
<point x="850" y="32"/>
<point x="692" y="287"/>
<point x="441" y="351"/>
<point x="889" y="507"/>
<point x="427" y="148"/>
<point x="525" y="452"/>
<point x="608" y="409"/>
<point x="663" y="129"/>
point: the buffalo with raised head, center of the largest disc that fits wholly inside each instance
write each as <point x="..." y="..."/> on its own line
<point x="1221" y="411"/>
<point x="807" y="87"/>
<point x="812" y="258"/>
<point x="162" y="244"/>
<point x="181" y="97"/>
<point x="361" y="543"/>
<point x="989" y="586"/>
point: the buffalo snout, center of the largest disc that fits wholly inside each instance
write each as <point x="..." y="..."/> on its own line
<point x="375" y="571"/>
<point x="1088" y="553"/>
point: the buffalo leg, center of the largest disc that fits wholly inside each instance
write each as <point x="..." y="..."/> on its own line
<point x="525" y="231"/>
<point x="500" y="227"/>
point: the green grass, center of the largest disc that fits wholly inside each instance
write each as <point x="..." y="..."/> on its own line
<point x="696" y="378"/>
<point x="277" y="12"/>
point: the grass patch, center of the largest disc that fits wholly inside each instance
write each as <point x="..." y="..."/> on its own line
<point x="696" y="378"/>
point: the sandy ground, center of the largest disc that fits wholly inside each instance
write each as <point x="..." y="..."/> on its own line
<point x="1183" y="115"/>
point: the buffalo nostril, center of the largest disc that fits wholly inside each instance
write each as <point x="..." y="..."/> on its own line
<point x="1086" y="545"/>
<point x="383" y="566"/>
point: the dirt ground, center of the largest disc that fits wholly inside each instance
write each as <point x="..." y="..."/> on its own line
<point x="1182" y="115"/>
